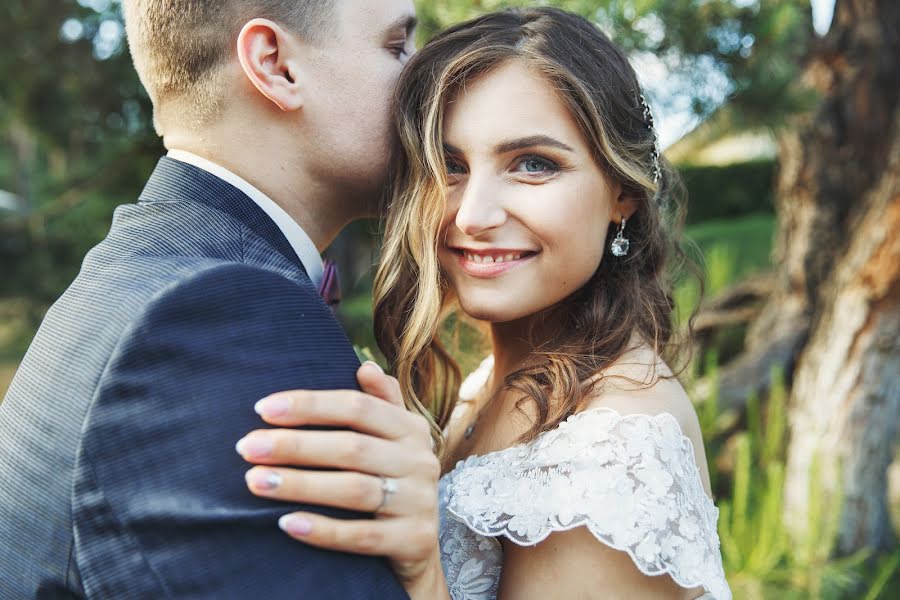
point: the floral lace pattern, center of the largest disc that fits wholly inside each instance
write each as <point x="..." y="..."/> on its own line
<point x="631" y="480"/>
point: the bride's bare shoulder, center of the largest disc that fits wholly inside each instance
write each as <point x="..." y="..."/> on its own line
<point x="640" y="382"/>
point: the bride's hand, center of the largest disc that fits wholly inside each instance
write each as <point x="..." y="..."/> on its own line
<point x="385" y="465"/>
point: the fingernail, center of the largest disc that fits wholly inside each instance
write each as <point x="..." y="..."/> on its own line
<point x="254" y="446"/>
<point x="272" y="406"/>
<point x="374" y="364"/>
<point x="294" y="525"/>
<point x="263" y="479"/>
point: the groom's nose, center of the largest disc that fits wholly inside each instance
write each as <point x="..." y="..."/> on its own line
<point x="479" y="208"/>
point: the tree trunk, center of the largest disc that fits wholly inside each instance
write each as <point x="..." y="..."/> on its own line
<point x="846" y="390"/>
<point x="833" y="320"/>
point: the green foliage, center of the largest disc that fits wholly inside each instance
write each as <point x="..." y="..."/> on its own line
<point x="355" y="315"/>
<point x="726" y="192"/>
<point x="756" y="47"/>
<point x="754" y="542"/>
<point x="728" y="250"/>
<point x="885" y="582"/>
<point x="760" y="558"/>
<point x="747" y="241"/>
<point x="77" y="141"/>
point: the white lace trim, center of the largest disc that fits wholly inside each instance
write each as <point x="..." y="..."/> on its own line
<point x="631" y="480"/>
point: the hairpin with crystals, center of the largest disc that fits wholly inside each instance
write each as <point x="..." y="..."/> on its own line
<point x="648" y="121"/>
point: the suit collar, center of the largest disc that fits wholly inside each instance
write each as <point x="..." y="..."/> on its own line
<point x="176" y="180"/>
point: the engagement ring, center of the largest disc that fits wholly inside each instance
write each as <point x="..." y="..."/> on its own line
<point x="388" y="488"/>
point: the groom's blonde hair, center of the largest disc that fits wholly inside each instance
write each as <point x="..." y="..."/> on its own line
<point x="179" y="47"/>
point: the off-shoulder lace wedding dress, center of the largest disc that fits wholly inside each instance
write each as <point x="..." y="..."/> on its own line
<point x="631" y="480"/>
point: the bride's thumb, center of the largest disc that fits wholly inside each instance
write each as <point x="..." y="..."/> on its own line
<point x="373" y="380"/>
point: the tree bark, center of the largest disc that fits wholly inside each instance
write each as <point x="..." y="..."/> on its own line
<point x="846" y="390"/>
<point x="827" y="160"/>
<point x="833" y="320"/>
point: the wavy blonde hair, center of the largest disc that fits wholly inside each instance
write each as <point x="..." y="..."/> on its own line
<point x="625" y="296"/>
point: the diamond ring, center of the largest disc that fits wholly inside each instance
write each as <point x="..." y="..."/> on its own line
<point x="388" y="489"/>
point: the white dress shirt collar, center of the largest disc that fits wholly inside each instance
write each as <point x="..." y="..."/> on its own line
<point x="296" y="237"/>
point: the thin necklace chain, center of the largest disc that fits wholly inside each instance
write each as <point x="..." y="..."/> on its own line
<point x="470" y="430"/>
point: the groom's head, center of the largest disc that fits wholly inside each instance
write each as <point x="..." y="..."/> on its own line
<point x="290" y="78"/>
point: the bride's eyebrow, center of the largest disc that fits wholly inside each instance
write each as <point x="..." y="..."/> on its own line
<point x="530" y="142"/>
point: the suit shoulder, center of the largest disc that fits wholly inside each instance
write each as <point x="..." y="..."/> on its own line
<point x="224" y="285"/>
<point x="233" y="275"/>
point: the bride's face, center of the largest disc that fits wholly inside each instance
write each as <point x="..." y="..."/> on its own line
<point x="528" y="208"/>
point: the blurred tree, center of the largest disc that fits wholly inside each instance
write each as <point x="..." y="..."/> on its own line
<point x="838" y="251"/>
<point x="76" y="127"/>
<point x="833" y="320"/>
<point x="748" y="51"/>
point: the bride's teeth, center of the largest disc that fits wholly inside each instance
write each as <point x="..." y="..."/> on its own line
<point x="486" y="259"/>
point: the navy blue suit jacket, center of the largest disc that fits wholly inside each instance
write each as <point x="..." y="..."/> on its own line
<point x="118" y="474"/>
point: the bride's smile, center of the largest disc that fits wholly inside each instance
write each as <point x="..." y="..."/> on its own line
<point x="491" y="262"/>
<point x="527" y="205"/>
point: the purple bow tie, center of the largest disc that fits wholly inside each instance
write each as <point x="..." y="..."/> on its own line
<point x="330" y="286"/>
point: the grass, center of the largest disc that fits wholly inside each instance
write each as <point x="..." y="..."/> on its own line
<point x="761" y="560"/>
<point x="745" y="242"/>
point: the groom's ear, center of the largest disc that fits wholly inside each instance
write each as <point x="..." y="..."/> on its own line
<point x="270" y="60"/>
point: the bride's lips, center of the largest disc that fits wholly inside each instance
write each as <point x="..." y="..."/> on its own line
<point x="491" y="262"/>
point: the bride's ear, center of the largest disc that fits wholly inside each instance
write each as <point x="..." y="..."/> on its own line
<point x="624" y="205"/>
<point x="269" y="57"/>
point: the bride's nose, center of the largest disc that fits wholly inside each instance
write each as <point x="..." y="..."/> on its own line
<point x="480" y="208"/>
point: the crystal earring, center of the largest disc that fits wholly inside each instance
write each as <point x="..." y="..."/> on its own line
<point x="619" y="245"/>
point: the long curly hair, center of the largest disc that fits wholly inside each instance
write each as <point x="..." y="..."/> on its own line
<point x="626" y="296"/>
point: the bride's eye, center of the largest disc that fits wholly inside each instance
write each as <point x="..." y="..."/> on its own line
<point x="536" y="165"/>
<point x="454" y="168"/>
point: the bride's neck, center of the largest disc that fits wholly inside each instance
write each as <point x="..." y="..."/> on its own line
<point x="513" y="343"/>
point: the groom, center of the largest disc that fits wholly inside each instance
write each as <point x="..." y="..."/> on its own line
<point x="118" y="477"/>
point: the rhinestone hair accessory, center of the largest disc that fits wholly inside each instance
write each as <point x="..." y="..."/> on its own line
<point x="648" y="120"/>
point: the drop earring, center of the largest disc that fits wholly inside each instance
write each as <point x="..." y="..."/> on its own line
<point x="619" y="246"/>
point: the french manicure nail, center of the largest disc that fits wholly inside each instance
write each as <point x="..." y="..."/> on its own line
<point x="254" y="447"/>
<point x="272" y="406"/>
<point x="295" y="525"/>
<point x="263" y="479"/>
<point x="374" y="364"/>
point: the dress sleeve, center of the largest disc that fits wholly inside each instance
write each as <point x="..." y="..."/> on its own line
<point x="631" y="480"/>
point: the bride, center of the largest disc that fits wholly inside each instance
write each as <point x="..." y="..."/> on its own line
<point x="532" y="195"/>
